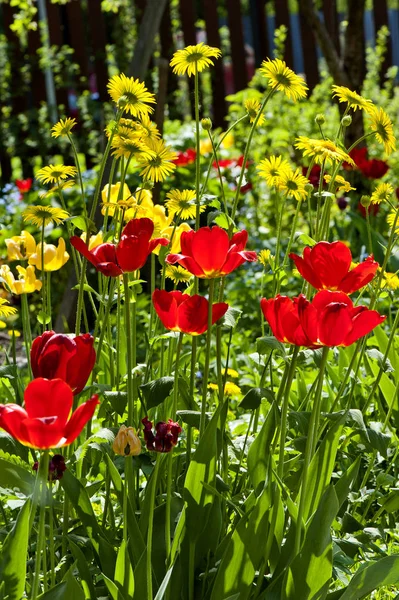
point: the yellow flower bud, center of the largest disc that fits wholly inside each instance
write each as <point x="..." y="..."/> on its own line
<point x="126" y="442"/>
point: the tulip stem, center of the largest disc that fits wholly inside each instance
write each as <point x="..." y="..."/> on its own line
<point x="129" y="323"/>
<point x="82" y="189"/>
<point x="207" y="357"/>
<point x="284" y="411"/>
<point x="42" y="475"/>
<point x="310" y="448"/>
<point x="198" y="151"/>
<point x="43" y="274"/>
<point x="370" y="249"/>
<point x="26" y="330"/>
<point x="80" y="297"/>
<point x="105" y="319"/>
<point x="151" y="526"/>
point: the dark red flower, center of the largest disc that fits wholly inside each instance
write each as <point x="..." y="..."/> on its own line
<point x="185" y="158"/>
<point x="24" y="185"/>
<point x="330" y="319"/>
<point x="59" y="356"/>
<point x="128" y="255"/>
<point x="189" y="314"/>
<point x="166" y="435"/>
<point x="326" y="266"/>
<point x="314" y="175"/>
<point x="209" y="252"/>
<point x="230" y="163"/>
<point x="56" y="467"/>
<point x="374" y="209"/>
<point x="373" y="168"/>
<point x="46" y="421"/>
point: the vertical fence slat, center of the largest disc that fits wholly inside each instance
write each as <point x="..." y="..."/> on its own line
<point x="56" y="30"/>
<point x="283" y="18"/>
<point x="167" y="50"/>
<point x="98" y="43"/>
<point x="332" y="22"/>
<point x="309" y="52"/>
<point x="380" y="10"/>
<point x="38" y="88"/>
<point x="217" y="75"/>
<point x="77" y="34"/>
<point x="234" y="18"/>
<point x="259" y="30"/>
<point x="187" y="17"/>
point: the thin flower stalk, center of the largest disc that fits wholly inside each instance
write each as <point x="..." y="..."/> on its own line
<point x="82" y="189"/>
<point x="153" y="489"/>
<point x="207" y="358"/>
<point x="42" y="475"/>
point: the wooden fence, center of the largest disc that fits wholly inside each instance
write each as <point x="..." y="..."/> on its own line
<point x="84" y="27"/>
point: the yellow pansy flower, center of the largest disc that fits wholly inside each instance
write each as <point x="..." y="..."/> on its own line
<point x="20" y="247"/>
<point x="113" y="197"/>
<point x="54" y="257"/>
<point x="26" y="282"/>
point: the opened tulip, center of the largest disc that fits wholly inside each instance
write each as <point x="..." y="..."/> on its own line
<point x="46" y="421"/>
<point x="209" y="253"/>
<point x="20" y="247"/>
<point x="24" y="185"/>
<point x="327" y="266"/>
<point x="188" y="314"/>
<point x="111" y="197"/>
<point x="53" y="257"/>
<point x="59" y="356"/>
<point x="26" y="282"/>
<point x="330" y="319"/>
<point x="128" y="255"/>
<point x="166" y="435"/>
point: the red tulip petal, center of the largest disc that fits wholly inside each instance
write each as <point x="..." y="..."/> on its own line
<point x="79" y="418"/>
<point x="218" y="311"/>
<point x="187" y="262"/>
<point x="81" y="364"/>
<point x="11" y="419"/>
<point x="105" y="253"/>
<point x="364" y="322"/>
<point x="81" y="247"/>
<point x="239" y="240"/>
<point x="330" y="262"/>
<point x="37" y="349"/>
<point x="234" y="260"/>
<point x="335" y="323"/>
<point x="132" y="253"/>
<point x="186" y="241"/>
<point x="192" y="315"/>
<point x="305" y="269"/>
<point x="48" y="398"/>
<point x="165" y="304"/>
<point x="137" y="227"/>
<point x="156" y="242"/>
<point x="325" y="297"/>
<point x="43" y="433"/>
<point x="54" y="357"/>
<point x="109" y="269"/>
<point x="209" y="249"/>
<point x="309" y="318"/>
<point x="360" y="276"/>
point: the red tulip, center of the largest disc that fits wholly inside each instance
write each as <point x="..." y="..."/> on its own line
<point x="24" y="185"/>
<point x="327" y="266"/>
<point x="230" y="163"/>
<point x="46" y="420"/>
<point x="188" y="314"/>
<point x="185" y="158"/>
<point x="314" y="175"/>
<point x="128" y="255"/>
<point x="209" y="252"/>
<point x="166" y="435"/>
<point x="373" y="168"/>
<point x="330" y="319"/>
<point x="58" y="356"/>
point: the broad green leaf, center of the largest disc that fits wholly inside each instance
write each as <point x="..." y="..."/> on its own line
<point x="345" y="482"/>
<point x="123" y="571"/>
<point x="13" y="556"/>
<point x="231" y="317"/>
<point x="375" y="575"/>
<point x="118" y="401"/>
<point x="84" y="570"/>
<point x="259" y="451"/>
<point x="114" y="590"/>
<point x="16" y="477"/>
<point x="253" y="398"/>
<point x="265" y="345"/>
<point x="155" y="392"/>
<point x="305" y="239"/>
<point x="67" y="589"/>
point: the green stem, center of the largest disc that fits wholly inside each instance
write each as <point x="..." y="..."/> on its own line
<point x="198" y="150"/>
<point x="207" y="358"/>
<point x="75" y="155"/>
<point x="51" y="541"/>
<point x="104" y="320"/>
<point x="370" y="249"/>
<point x="278" y="243"/>
<point x="219" y="171"/>
<point x="284" y="411"/>
<point x="130" y="326"/>
<point x="48" y="283"/>
<point x="27" y="333"/>
<point x="151" y="527"/>
<point x="310" y="447"/>
<point x="43" y="274"/>
<point x="42" y="474"/>
<point x="80" y="297"/>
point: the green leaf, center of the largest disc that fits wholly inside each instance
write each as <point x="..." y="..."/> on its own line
<point x="123" y="571"/>
<point x="84" y="571"/>
<point x="118" y="401"/>
<point x="230" y="318"/>
<point x="378" y="356"/>
<point x="305" y="239"/>
<point x="155" y="392"/>
<point x="114" y="590"/>
<point x="253" y="398"/>
<point x="13" y="476"/>
<point x="373" y="576"/>
<point x="265" y="345"/>
<point x="83" y="224"/>
<point x="192" y="417"/>
<point x="14" y="554"/>
<point x="259" y="451"/>
<point x="67" y="589"/>
<point x="43" y="318"/>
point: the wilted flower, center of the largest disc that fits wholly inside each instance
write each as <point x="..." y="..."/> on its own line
<point x="56" y="467"/>
<point x="166" y="435"/>
<point x="126" y="442"/>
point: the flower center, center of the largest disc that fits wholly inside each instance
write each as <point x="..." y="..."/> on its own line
<point x="194" y="57"/>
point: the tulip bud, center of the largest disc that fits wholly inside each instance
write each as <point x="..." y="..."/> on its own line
<point x="126" y="442"/>
<point x="320" y="119"/>
<point x="346" y="120"/>
<point x="365" y="201"/>
<point x="309" y="188"/>
<point x="147" y="185"/>
<point x="206" y="124"/>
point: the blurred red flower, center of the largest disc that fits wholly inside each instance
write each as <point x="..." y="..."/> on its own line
<point x="185" y="158"/>
<point x="372" y="169"/>
<point x="46" y="421"/>
<point x="128" y="255"/>
<point x="314" y="175"/>
<point x="59" y="356"/>
<point x="188" y="314"/>
<point x="330" y="319"/>
<point x="209" y="253"/>
<point x="24" y="185"/>
<point x="326" y="266"/>
<point x="166" y="435"/>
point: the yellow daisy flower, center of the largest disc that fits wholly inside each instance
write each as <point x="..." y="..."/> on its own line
<point x="282" y="78"/>
<point x="20" y="247"/>
<point x="382" y="192"/>
<point x="54" y="257"/>
<point x="194" y="59"/>
<point x="182" y="203"/>
<point x="271" y="169"/>
<point x="62" y="185"/>
<point x="231" y="373"/>
<point x="340" y="182"/>
<point x="53" y="173"/>
<point x="37" y="215"/>
<point x="127" y="143"/>
<point x="206" y="147"/>
<point x="252" y="107"/>
<point x="26" y="282"/>
<point x="148" y="128"/>
<point x="177" y="274"/>
<point x="391" y="218"/>
<point x="5" y="309"/>
<point x="322" y="151"/>
<point x="131" y="95"/>
<point x="354" y="100"/>
<point x="381" y="124"/>
<point x="391" y="281"/>
<point x="264" y="257"/>
<point x="293" y="184"/>
<point x="63" y="127"/>
<point x="228" y="140"/>
<point x="158" y="166"/>
<point x="231" y="389"/>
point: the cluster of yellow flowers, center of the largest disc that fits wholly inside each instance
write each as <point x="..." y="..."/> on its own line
<point x="278" y="173"/>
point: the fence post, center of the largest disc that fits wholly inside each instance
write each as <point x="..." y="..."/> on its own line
<point x="217" y="74"/>
<point x="332" y="22"/>
<point x="98" y="42"/>
<point x="283" y="18"/>
<point x="309" y="52"/>
<point x="238" y="58"/>
<point x="259" y="31"/>
<point x="380" y="11"/>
